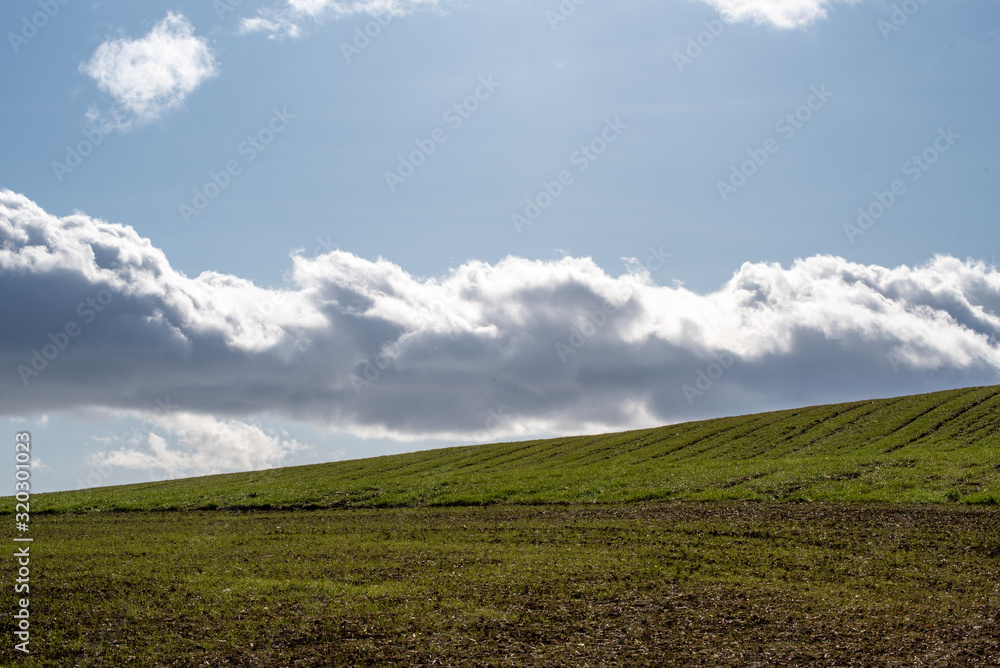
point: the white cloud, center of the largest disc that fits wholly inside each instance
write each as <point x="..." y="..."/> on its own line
<point x="152" y="75"/>
<point x="779" y="13"/>
<point x="201" y="445"/>
<point x="364" y="347"/>
<point x="287" y="19"/>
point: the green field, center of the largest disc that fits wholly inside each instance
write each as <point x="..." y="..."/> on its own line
<point x="861" y="534"/>
<point x="935" y="447"/>
<point x="644" y="584"/>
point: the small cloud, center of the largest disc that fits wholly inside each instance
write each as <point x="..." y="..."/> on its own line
<point x="317" y="7"/>
<point x="181" y="444"/>
<point x="150" y="76"/>
<point x="287" y="20"/>
<point x="275" y="26"/>
<point x="779" y="13"/>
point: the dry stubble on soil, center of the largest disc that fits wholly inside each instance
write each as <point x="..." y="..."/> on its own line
<point x="651" y="584"/>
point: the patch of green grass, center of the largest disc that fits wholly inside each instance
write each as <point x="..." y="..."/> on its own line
<point x="929" y="448"/>
<point x="641" y="584"/>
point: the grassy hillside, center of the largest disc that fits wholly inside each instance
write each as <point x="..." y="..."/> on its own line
<point x="937" y="447"/>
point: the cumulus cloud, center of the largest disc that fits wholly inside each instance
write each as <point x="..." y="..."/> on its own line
<point x="152" y="75"/>
<point x="779" y="13"/>
<point x="287" y="19"/>
<point x="179" y="444"/>
<point x="489" y="351"/>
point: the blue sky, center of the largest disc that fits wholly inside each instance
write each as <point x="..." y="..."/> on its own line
<point x="675" y="186"/>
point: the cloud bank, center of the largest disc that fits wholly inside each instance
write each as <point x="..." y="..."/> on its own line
<point x="515" y="349"/>
<point x="150" y="76"/>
